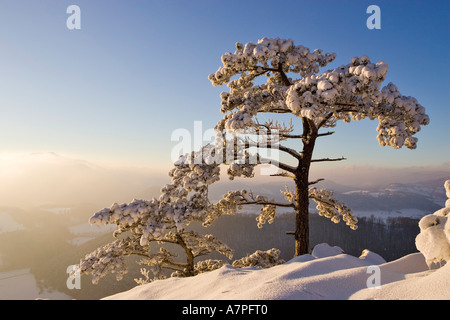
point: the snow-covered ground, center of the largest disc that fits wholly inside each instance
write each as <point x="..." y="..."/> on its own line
<point x="325" y="274"/>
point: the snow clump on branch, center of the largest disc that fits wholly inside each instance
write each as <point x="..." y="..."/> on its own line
<point x="331" y="208"/>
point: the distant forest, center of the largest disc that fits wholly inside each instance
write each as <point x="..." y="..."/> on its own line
<point x="391" y="238"/>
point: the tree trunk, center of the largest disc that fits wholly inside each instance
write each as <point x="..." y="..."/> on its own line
<point x="302" y="189"/>
<point x="302" y="215"/>
<point x="189" y="269"/>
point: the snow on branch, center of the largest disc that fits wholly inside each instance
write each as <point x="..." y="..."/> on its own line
<point x="235" y="200"/>
<point x="331" y="208"/>
<point x="108" y="259"/>
<point x="260" y="259"/>
<point x="205" y="244"/>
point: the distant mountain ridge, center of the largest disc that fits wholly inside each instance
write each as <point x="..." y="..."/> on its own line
<point x="412" y="200"/>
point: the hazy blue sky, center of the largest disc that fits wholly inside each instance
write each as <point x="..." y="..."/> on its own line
<point x="137" y="70"/>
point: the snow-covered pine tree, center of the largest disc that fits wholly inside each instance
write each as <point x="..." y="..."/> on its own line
<point x="161" y="222"/>
<point x="275" y="76"/>
<point x="349" y="92"/>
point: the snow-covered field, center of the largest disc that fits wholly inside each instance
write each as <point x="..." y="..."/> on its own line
<point x="325" y="274"/>
<point x="384" y="214"/>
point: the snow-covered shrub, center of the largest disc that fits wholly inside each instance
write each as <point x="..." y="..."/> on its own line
<point x="208" y="265"/>
<point x="434" y="237"/>
<point x="260" y="259"/>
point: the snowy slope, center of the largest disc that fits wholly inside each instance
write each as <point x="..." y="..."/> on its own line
<point x="426" y="285"/>
<point x="325" y="274"/>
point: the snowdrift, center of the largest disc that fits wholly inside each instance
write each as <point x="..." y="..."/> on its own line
<point x="325" y="274"/>
<point x="434" y="237"/>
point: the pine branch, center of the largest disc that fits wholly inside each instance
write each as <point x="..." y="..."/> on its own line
<point x="273" y="203"/>
<point x="266" y="69"/>
<point x="171" y="268"/>
<point x="327" y="117"/>
<point x="316" y="199"/>
<point x="283" y="174"/>
<point x="316" y="181"/>
<point x="269" y="125"/>
<point x="292" y="136"/>
<point x="328" y="159"/>
<point x="285" y="79"/>
<point x="175" y="264"/>
<point x="275" y="110"/>
<point x="264" y="201"/>
<point x="290" y="151"/>
<point x="301" y="136"/>
<point x="329" y="133"/>
<point x="276" y="163"/>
